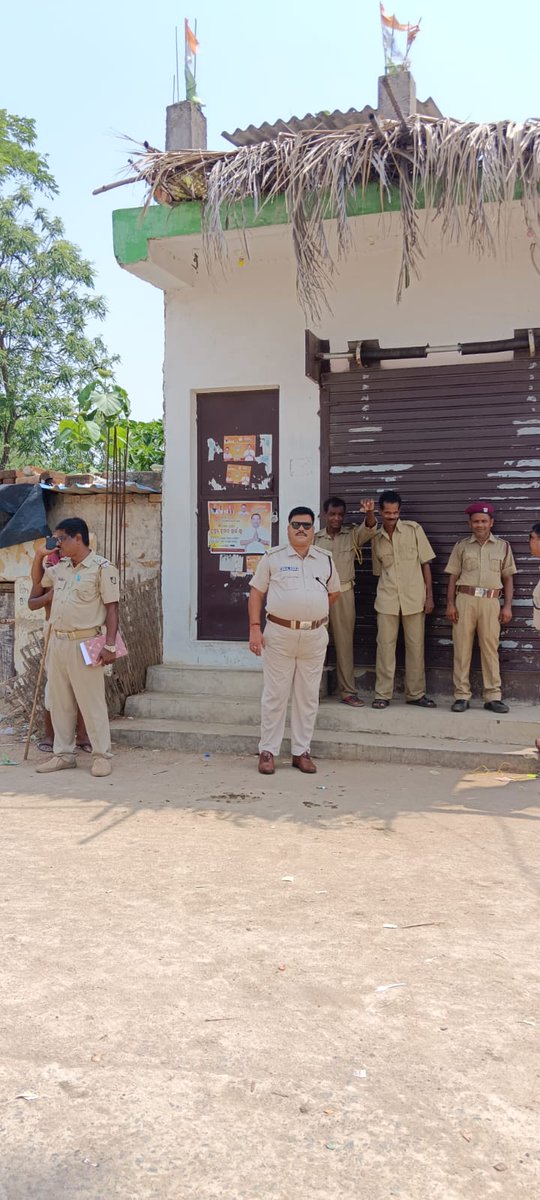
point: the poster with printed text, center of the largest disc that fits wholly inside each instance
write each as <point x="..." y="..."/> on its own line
<point x="240" y="447"/>
<point x="237" y="526"/>
<point x="239" y="473"/>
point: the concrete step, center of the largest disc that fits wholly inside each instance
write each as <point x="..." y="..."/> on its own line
<point x="519" y="727"/>
<point x="188" y="681"/>
<point x="194" y="707"/>
<point x="219" y="738"/>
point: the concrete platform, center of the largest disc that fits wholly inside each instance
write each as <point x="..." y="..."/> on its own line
<point x="207" y="711"/>
<point x="231" y="738"/>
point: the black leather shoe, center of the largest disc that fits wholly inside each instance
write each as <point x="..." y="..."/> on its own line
<point x="497" y="706"/>
<point x="460" y="706"/>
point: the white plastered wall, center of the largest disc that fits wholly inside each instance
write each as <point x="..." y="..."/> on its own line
<point x="245" y="330"/>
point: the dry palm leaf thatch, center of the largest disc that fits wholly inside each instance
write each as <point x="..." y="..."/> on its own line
<point x="454" y="168"/>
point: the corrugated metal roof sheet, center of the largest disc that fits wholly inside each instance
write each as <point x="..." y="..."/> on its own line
<point x="98" y="486"/>
<point x="321" y="121"/>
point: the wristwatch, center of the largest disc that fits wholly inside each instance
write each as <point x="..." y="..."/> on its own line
<point x="111" y="649"/>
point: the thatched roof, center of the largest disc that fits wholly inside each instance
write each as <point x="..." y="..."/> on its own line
<point x="455" y="168"/>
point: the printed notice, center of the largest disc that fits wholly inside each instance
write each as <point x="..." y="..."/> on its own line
<point x="241" y="447"/>
<point x="239" y="473"/>
<point x="238" y="526"/>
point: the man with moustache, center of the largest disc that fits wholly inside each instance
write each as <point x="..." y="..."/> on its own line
<point x="300" y="583"/>
<point x="480" y="568"/>
<point x="400" y="555"/>
<point x="344" y="543"/>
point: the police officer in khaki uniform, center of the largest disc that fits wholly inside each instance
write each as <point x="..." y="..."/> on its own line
<point x="300" y="583"/>
<point x="480" y="567"/>
<point x="400" y="555"/>
<point x="343" y="543"/>
<point x="85" y="597"/>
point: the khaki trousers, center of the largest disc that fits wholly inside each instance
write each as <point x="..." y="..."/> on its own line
<point x="342" y="622"/>
<point x="477" y="615"/>
<point x="291" y="657"/>
<point x="72" y="683"/>
<point x="385" y="669"/>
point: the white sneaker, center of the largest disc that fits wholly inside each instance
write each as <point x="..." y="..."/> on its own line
<point x="56" y="763"/>
<point x="101" y="767"/>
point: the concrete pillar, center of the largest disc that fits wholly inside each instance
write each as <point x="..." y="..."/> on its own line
<point x="186" y="127"/>
<point x="404" y="90"/>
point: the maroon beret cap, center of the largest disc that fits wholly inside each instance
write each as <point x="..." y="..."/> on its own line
<point x="480" y="507"/>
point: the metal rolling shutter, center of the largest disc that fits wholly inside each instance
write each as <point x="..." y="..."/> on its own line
<point x="442" y="436"/>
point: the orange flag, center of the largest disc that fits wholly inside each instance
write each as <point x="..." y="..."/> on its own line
<point x="192" y="44"/>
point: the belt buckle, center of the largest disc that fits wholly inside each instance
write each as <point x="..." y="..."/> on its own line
<point x="304" y="624"/>
<point x="478" y="591"/>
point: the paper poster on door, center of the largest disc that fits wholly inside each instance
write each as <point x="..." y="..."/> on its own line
<point x="238" y="473"/>
<point x="240" y="447"/>
<point x="232" y="563"/>
<point x="252" y="562"/>
<point x="264" y="456"/>
<point x="238" y="526"/>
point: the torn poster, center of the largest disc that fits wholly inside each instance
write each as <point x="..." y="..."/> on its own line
<point x="213" y="449"/>
<point x="233" y="563"/>
<point x="265" y="455"/>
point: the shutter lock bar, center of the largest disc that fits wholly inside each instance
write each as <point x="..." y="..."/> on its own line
<point x="370" y="353"/>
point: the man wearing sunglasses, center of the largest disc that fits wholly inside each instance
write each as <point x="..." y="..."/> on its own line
<point x="300" y="583"/>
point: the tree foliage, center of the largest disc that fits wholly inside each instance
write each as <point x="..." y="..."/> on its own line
<point x="46" y="301"/>
<point x="102" y="421"/>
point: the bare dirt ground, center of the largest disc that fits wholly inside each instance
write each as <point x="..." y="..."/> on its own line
<point x="219" y="985"/>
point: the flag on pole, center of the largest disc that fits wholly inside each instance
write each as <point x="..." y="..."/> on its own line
<point x="191" y="46"/>
<point x="396" y="50"/>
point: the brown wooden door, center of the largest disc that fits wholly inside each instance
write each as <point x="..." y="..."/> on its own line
<point x="237" y="442"/>
<point x="442" y="437"/>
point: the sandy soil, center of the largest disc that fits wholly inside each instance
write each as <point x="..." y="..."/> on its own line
<point x="219" y="985"/>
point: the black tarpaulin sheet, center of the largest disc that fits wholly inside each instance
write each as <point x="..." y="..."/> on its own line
<point x="22" y="514"/>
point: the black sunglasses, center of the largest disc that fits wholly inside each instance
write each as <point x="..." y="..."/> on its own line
<point x="302" y="524"/>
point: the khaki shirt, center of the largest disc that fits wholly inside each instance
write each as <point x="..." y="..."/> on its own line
<point x="81" y="593"/>
<point x="296" y="588"/>
<point x="481" y="566"/>
<point x="398" y="563"/>
<point x="344" y="548"/>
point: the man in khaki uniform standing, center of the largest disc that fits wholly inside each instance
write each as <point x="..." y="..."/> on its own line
<point x="85" y="596"/>
<point x="344" y="543"/>
<point x="480" y="568"/>
<point x="401" y="554"/>
<point x="300" y="583"/>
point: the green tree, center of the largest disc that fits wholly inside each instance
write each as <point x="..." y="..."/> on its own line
<point x="101" y="424"/>
<point x="46" y="301"/>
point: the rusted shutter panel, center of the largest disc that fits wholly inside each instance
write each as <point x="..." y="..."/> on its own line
<point x="442" y="437"/>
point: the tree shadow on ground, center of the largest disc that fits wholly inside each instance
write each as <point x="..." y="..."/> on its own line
<point x="232" y="789"/>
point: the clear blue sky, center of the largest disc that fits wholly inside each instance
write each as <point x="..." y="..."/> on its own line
<point x="88" y="72"/>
